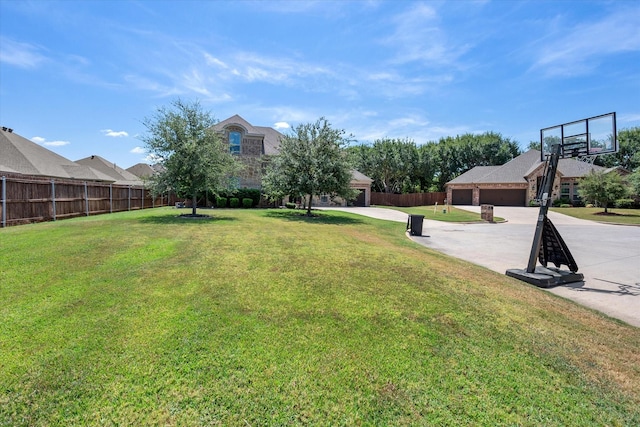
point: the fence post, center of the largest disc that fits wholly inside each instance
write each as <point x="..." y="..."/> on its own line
<point x="53" y="198"/>
<point x="86" y="199"/>
<point x="142" y="198"/>
<point x="129" y="198"/>
<point x="4" y="201"/>
<point x="110" y="198"/>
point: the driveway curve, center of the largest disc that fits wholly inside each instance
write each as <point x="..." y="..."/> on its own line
<point x="607" y="255"/>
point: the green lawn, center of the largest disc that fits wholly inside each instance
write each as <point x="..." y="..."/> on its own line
<point x="264" y="317"/>
<point x="616" y="216"/>
<point x="442" y="213"/>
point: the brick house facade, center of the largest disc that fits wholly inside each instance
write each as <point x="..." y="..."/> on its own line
<point x="254" y="144"/>
<point x="516" y="182"/>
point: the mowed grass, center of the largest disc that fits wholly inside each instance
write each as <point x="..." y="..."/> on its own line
<point x="614" y="215"/>
<point x="263" y="317"/>
<point x="437" y="213"/>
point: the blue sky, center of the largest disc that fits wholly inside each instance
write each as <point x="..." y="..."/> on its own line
<point x="79" y="77"/>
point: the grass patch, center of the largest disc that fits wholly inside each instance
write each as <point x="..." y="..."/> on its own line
<point x="259" y="317"/>
<point x="437" y="213"/>
<point x="614" y="215"/>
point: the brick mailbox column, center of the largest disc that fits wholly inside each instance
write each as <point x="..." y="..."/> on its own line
<point x="486" y="213"/>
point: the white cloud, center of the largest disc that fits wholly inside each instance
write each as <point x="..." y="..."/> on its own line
<point x="580" y="49"/>
<point x="211" y="60"/>
<point x="113" y="133"/>
<point x="42" y="141"/>
<point x="418" y="37"/>
<point x="23" y="55"/>
<point x="628" y="118"/>
<point x="281" y="125"/>
<point x="138" y="150"/>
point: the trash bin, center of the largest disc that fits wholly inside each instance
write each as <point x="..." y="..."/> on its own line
<point x="414" y="223"/>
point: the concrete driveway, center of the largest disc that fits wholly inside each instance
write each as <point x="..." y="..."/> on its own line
<point x="607" y="255"/>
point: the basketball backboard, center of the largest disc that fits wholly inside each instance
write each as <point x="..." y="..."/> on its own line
<point x="587" y="137"/>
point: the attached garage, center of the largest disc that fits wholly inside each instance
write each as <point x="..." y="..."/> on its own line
<point x="361" y="200"/>
<point x="462" y="197"/>
<point x="503" y="197"/>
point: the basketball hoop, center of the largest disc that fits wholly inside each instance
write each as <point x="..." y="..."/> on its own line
<point x="583" y="140"/>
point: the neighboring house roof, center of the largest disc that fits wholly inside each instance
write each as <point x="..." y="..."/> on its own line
<point x="119" y="175"/>
<point x="270" y="136"/>
<point x="19" y="155"/>
<point x="141" y="170"/>
<point x="519" y="168"/>
<point x="360" y="177"/>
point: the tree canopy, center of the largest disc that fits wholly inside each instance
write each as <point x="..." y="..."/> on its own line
<point x="195" y="158"/>
<point x="398" y="165"/>
<point x="628" y="155"/>
<point x="311" y="162"/>
<point x="602" y="188"/>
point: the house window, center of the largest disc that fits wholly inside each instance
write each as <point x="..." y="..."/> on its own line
<point x="576" y="196"/>
<point x="565" y="189"/>
<point x="324" y="199"/>
<point x="234" y="142"/>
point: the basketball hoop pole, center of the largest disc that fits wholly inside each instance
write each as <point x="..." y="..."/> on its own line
<point x="553" y="159"/>
<point x="548" y="245"/>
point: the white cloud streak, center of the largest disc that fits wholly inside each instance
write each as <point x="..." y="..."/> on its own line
<point x="582" y="48"/>
<point x="42" y="141"/>
<point x="113" y="133"/>
<point x="18" y="54"/>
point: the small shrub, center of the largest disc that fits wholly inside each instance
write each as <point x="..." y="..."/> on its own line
<point x="221" y="202"/>
<point x="566" y="205"/>
<point x="234" y="202"/>
<point x="577" y="204"/>
<point x="247" y="203"/>
<point x="534" y="203"/>
<point x="561" y="201"/>
<point x="248" y="193"/>
<point x="290" y="205"/>
<point x="624" y="203"/>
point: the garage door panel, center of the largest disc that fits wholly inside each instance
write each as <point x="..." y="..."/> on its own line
<point x="462" y="197"/>
<point x="502" y="197"/>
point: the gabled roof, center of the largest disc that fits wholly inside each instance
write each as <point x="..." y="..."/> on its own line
<point x="141" y="170"/>
<point x="119" y="175"/>
<point x="270" y="135"/>
<point x="519" y="168"/>
<point x="359" y="176"/>
<point x="19" y="155"/>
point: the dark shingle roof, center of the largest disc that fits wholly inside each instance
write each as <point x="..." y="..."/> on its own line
<point x="19" y="155"/>
<point x="141" y="170"/>
<point x="119" y="175"/>
<point x="517" y="169"/>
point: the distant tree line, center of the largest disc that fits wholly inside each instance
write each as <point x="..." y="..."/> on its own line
<point x="402" y="166"/>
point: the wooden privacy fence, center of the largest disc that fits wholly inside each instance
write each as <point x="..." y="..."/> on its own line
<point x="407" y="200"/>
<point x="25" y="200"/>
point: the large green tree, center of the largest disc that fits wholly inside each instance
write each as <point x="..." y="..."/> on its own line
<point x="458" y="155"/>
<point x="311" y="161"/>
<point x="602" y="188"/>
<point x="195" y="157"/>
<point x="628" y="155"/>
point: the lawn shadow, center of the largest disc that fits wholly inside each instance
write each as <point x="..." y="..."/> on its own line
<point x="318" y="217"/>
<point x="180" y="219"/>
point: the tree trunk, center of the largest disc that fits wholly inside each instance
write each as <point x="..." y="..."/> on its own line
<point x="194" y="204"/>
<point x="309" y="205"/>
